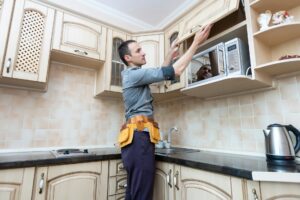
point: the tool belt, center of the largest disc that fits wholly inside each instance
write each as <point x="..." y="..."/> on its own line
<point x="139" y="123"/>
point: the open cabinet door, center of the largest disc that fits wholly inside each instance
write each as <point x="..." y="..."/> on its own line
<point x="208" y="11"/>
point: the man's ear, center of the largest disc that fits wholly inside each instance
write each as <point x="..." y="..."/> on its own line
<point x="127" y="58"/>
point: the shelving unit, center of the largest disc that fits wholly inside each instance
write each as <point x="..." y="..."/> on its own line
<point x="280" y="67"/>
<point x="279" y="33"/>
<point x="273" y="5"/>
<point x="224" y="86"/>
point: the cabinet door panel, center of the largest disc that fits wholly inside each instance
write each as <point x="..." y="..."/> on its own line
<point x="206" y="12"/>
<point x="163" y="185"/>
<point x="28" y="49"/>
<point x="79" y="36"/>
<point x="280" y="191"/>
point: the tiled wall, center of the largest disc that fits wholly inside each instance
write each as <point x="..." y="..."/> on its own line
<point x="66" y="115"/>
<point x="234" y="123"/>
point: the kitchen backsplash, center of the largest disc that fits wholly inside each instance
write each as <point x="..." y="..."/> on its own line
<point x="68" y="115"/>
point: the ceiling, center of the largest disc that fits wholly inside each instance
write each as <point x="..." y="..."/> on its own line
<point x="131" y="15"/>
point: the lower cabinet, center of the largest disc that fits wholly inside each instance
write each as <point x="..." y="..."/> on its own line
<point x="184" y="183"/>
<point x="117" y="180"/>
<point x="86" y="181"/>
<point x="16" y="184"/>
<point x="273" y="190"/>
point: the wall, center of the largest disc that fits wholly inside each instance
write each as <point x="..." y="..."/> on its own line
<point x="233" y="123"/>
<point x="66" y="115"/>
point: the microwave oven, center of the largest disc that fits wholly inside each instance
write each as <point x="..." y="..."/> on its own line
<point x="237" y="57"/>
<point x="207" y="64"/>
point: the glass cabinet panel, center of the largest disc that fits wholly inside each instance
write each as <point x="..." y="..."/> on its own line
<point x="117" y="65"/>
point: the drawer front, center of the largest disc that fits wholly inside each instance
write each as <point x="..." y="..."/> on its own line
<point x="117" y="185"/>
<point x="116" y="168"/>
<point x="117" y="197"/>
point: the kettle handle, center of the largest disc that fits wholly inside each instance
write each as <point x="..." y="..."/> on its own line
<point x="297" y="134"/>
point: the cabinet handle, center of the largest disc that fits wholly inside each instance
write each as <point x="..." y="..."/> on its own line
<point x="41" y="184"/>
<point x="255" y="194"/>
<point x="122" y="186"/>
<point x="176" y="180"/>
<point x="169" y="178"/>
<point x="81" y="52"/>
<point x="196" y="27"/>
<point x="8" y="64"/>
<point x="121" y="167"/>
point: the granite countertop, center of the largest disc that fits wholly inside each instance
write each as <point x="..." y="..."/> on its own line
<point x="249" y="167"/>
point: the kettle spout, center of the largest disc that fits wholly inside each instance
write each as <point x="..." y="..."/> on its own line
<point x="266" y="132"/>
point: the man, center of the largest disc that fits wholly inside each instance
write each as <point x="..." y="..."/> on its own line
<point x="204" y="72"/>
<point x="140" y="132"/>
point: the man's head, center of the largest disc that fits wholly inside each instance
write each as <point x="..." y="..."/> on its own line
<point x="131" y="53"/>
<point x="204" y="72"/>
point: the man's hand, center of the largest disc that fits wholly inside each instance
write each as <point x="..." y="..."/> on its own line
<point x="202" y="35"/>
<point x="174" y="50"/>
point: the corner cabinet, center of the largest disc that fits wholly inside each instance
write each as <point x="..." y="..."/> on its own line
<point x="28" y="48"/>
<point x="108" y="79"/>
<point x="78" y="41"/>
<point x="74" y="181"/>
<point x="16" y="184"/>
<point x="153" y="46"/>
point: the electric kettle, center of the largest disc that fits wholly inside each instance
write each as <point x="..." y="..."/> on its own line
<point x="279" y="145"/>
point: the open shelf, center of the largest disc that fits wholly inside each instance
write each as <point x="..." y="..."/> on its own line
<point x="279" y="33"/>
<point x="280" y="67"/>
<point x="274" y="5"/>
<point x="224" y="86"/>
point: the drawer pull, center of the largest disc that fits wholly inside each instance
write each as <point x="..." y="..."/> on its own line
<point x="195" y="28"/>
<point x="255" y="197"/>
<point x="84" y="53"/>
<point x="121" y="167"/>
<point x="8" y="64"/>
<point x="41" y="184"/>
<point x="122" y="186"/>
<point x="176" y="180"/>
<point x="169" y="178"/>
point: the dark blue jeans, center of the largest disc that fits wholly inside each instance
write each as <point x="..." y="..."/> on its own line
<point x="139" y="162"/>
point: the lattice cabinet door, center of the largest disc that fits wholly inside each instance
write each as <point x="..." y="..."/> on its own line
<point x="28" y="48"/>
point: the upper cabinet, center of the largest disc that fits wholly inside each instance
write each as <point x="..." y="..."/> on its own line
<point x="28" y="47"/>
<point x="153" y="46"/>
<point x="109" y="81"/>
<point x="275" y="39"/>
<point x="6" y="11"/>
<point x="80" y="39"/>
<point x="206" y="12"/>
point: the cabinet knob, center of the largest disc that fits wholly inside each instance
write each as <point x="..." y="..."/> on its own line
<point x="255" y="197"/>
<point x="122" y="186"/>
<point x="121" y="167"/>
<point x="41" y="184"/>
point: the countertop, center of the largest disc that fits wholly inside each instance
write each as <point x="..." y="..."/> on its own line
<point x="248" y="167"/>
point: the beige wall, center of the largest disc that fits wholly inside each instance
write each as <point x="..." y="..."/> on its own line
<point x="234" y="123"/>
<point x="66" y="115"/>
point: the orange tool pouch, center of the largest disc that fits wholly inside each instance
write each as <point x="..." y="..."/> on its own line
<point x="138" y="123"/>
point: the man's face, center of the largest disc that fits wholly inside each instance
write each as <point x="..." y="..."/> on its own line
<point x="137" y="57"/>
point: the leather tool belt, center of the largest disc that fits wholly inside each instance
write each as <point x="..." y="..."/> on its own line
<point x="139" y="123"/>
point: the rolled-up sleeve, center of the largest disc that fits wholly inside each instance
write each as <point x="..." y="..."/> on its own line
<point x="145" y="76"/>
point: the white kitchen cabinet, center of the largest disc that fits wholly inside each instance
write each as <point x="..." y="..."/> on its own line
<point x="73" y="181"/>
<point x="198" y="184"/>
<point x="28" y="46"/>
<point x="108" y="80"/>
<point x="6" y="11"/>
<point x="206" y="12"/>
<point x="163" y="185"/>
<point x="153" y="46"/>
<point x="273" y="190"/>
<point x="78" y="38"/>
<point x="16" y="184"/>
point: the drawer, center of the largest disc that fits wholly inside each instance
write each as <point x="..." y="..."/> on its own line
<point x="116" y="168"/>
<point x="117" y="197"/>
<point x="117" y="185"/>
